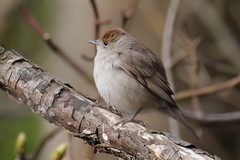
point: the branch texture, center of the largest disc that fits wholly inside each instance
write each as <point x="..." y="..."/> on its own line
<point x="62" y="105"/>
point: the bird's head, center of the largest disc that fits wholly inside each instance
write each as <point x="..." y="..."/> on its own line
<point x="111" y="39"/>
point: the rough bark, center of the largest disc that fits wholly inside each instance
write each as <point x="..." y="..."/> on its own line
<point x="62" y="105"/>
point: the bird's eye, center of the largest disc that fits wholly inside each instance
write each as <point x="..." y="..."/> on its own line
<point x="105" y="43"/>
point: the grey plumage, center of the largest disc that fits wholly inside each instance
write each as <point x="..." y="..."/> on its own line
<point x="129" y="76"/>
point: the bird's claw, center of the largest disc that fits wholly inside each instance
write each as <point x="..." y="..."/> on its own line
<point x="114" y="110"/>
<point x="124" y="121"/>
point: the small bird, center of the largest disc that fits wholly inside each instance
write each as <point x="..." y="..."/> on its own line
<point x="130" y="78"/>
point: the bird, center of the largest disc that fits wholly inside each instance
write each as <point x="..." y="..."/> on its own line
<point x="130" y="78"/>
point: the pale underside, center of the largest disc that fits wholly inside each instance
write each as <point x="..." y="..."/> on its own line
<point x="126" y="92"/>
<point x="128" y="76"/>
<point x="120" y="90"/>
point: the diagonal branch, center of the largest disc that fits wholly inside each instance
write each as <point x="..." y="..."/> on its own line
<point x="182" y="95"/>
<point x="63" y="106"/>
<point x="214" y="119"/>
<point x="52" y="45"/>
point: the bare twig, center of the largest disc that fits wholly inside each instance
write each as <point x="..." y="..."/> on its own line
<point x="64" y="106"/>
<point x="166" y="53"/>
<point x="208" y="119"/>
<point x="44" y="142"/>
<point x="176" y="58"/>
<point x="194" y="79"/>
<point x="225" y="39"/>
<point x="182" y="95"/>
<point x="47" y="39"/>
<point x="217" y="66"/>
<point x="98" y="23"/>
<point x="180" y="55"/>
<point x="194" y="74"/>
<point x="129" y="10"/>
<point x="96" y="15"/>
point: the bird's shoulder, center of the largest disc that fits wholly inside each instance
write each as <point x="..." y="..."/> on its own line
<point x="141" y="63"/>
<point x="139" y="57"/>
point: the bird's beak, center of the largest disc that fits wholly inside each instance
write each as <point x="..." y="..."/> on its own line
<point x="94" y="42"/>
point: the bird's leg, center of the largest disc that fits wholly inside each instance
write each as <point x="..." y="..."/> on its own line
<point x="113" y="110"/>
<point x="131" y="119"/>
<point x="138" y="111"/>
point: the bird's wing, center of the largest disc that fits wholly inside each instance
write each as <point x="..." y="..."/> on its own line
<point x="141" y="64"/>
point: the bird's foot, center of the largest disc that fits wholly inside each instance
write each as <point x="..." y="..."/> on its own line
<point x="113" y="110"/>
<point x="129" y="120"/>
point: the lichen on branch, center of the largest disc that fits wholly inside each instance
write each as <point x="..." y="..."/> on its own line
<point x="62" y="105"/>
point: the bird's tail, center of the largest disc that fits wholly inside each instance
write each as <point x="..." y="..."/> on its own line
<point x="177" y="114"/>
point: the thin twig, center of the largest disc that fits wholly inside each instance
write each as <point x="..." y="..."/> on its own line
<point x="180" y="55"/>
<point x="129" y="10"/>
<point x="96" y="15"/>
<point x="47" y="39"/>
<point x="195" y="103"/>
<point x="194" y="74"/>
<point x="226" y="41"/>
<point x="219" y="67"/>
<point x="213" y="118"/>
<point x="44" y="142"/>
<point x="176" y="58"/>
<point x="182" y="95"/>
<point x="98" y="23"/>
<point x="98" y="20"/>
<point x="166" y="52"/>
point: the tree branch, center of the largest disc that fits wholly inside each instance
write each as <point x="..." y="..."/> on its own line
<point x="166" y="54"/>
<point x="182" y="95"/>
<point x="129" y="10"/>
<point x="52" y="45"/>
<point x="63" y="106"/>
<point x="98" y="23"/>
<point x="213" y="119"/>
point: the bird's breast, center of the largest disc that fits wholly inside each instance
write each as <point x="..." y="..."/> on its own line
<point x="117" y="88"/>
